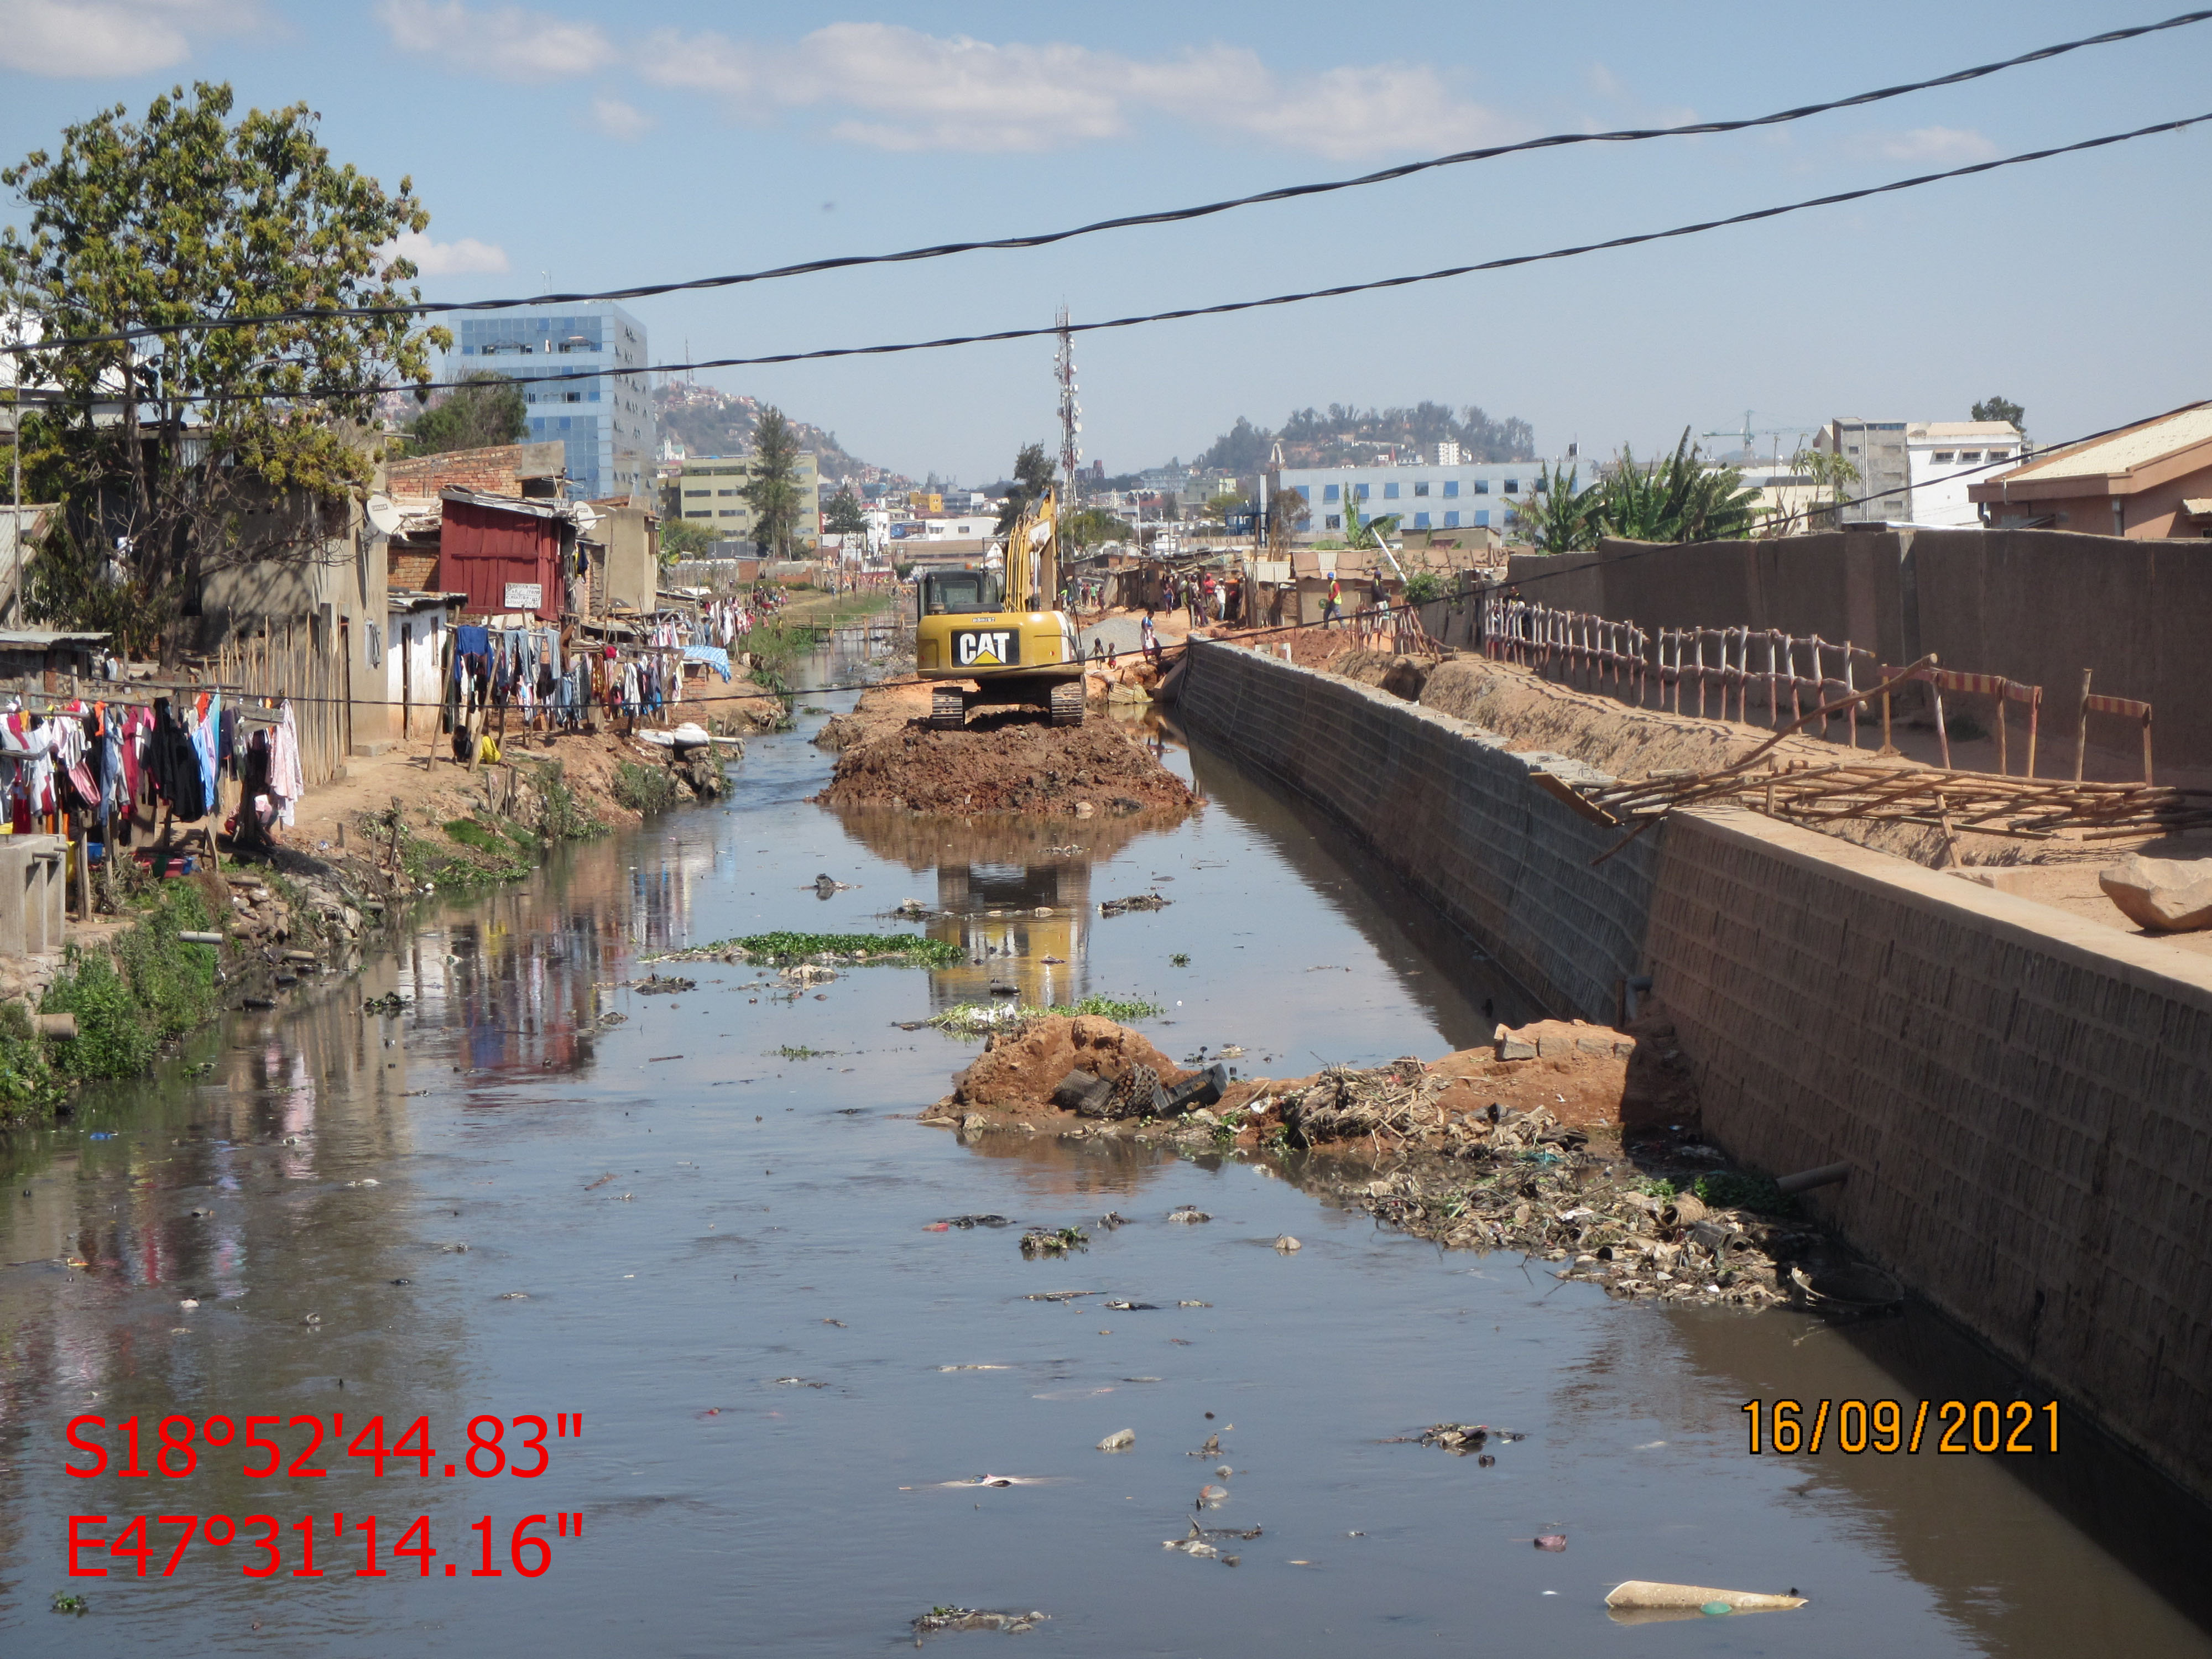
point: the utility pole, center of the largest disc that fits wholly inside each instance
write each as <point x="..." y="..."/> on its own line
<point x="1071" y="413"/>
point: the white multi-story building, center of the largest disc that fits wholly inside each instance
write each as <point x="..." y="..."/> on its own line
<point x="605" y="420"/>
<point x="1475" y="495"/>
<point x="1945" y="457"/>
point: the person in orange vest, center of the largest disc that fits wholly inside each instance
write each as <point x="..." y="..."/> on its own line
<point x="1334" y="609"/>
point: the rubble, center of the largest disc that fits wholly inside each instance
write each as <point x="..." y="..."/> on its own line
<point x="937" y="1619"/>
<point x="1133" y="902"/>
<point x="2163" y="895"/>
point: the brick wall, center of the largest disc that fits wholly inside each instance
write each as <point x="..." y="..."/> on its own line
<point x="498" y="470"/>
<point x="2024" y="1096"/>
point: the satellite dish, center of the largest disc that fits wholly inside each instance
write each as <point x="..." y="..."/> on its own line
<point x="585" y="518"/>
<point x="384" y="513"/>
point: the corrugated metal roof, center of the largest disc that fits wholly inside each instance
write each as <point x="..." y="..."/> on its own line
<point x="2124" y="451"/>
<point x="40" y="639"/>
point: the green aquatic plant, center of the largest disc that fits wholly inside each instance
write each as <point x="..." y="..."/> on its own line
<point x="868" y="950"/>
<point x="977" y="1019"/>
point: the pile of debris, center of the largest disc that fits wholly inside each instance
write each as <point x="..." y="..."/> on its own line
<point x="1006" y="764"/>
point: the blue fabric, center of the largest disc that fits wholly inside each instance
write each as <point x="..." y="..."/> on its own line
<point x="713" y="655"/>
<point x="204" y="736"/>
<point x="470" y="639"/>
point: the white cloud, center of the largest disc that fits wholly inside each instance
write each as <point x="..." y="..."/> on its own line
<point x="111" y="37"/>
<point x="1954" y="145"/>
<point x="902" y="89"/>
<point x="505" y="42"/>
<point x="465" y="258"/>
<point x="619" y="120"/>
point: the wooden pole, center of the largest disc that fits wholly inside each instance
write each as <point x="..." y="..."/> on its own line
<point x="2082" y="735"/>
<point x="2004" y="767"/>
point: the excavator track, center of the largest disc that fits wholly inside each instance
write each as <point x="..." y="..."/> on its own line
<point x="948" y="708"/>
<point x="1067" y="703"/>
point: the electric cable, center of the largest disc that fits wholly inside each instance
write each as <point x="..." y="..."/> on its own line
<point x="1231" y="306"/>
<point x="1169" y="215"/>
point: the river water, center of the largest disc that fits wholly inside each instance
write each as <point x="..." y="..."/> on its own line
<point x="704" y="1230"/>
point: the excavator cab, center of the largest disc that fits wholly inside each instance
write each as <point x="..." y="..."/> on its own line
<point x="984" y="627"/>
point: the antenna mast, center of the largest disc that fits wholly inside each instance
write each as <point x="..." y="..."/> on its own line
<point x="1071" y="412"/>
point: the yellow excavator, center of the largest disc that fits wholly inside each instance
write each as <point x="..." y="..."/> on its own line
<point x="992" y="628"/>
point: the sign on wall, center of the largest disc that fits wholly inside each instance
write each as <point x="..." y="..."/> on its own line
<point x="524" y="596"/>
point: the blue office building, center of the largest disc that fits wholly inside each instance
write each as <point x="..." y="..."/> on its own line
<point x="1477" y="496"/>
<point x="605" y="418"/>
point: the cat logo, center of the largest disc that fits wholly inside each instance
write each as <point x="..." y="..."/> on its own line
<point x="979" y="648"/>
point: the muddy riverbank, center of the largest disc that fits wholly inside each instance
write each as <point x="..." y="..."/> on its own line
<point x="493" y="1174"/>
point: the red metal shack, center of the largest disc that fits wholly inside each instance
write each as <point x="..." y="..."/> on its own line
<point x="506" y="554"/>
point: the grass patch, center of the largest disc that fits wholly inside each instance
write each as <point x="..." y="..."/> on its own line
<point x="978" y="1018"/>
<point x="647" y="789"/>
<point x="866" y="949"/>
<point x="561" y="817"/>
<point x="155" y="988"/>
<point x="482" y="837"/>
<point x="1744" y="1192"/>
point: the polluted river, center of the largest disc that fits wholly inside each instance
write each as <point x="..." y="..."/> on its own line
<point x="668" y="1270"/>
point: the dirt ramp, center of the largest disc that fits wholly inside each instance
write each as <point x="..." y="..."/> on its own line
<point x="1005" y="763"/>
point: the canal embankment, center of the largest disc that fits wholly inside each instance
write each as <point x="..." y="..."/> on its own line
<point x="2023" y="1097"/>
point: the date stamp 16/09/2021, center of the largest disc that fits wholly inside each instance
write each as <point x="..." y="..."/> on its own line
<point x="272" y="1446"/>
<point x="1948" y="1427"/>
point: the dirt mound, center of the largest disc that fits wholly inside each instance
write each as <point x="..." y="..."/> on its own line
<point x="1004" y="763"/>
<point x="1019" y="1070"/>
<point x="1400" y="675"/>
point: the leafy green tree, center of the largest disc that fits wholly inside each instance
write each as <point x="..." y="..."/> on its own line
<point x="2001" y="409"/>
<point x="685" y="538"/>
<point x="1680" y="499"/>
<point x="774" y="492"/>
<point x="1218" y="507"/>
<point x="1033" y="476"/>
<point x="232" y="444"/>
<point x="484" y="409"/>
<point x="1361" y="531"/>
<point x="1423" y="586"/>
<point x="845" y="515"/>
<point x="1832" y="477"/>
<point x="1090" y="526"/>
<point x="1561" y="515"/>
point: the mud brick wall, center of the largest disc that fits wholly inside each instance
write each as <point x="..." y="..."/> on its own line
<point x="2024" y="1096"/>
<point x="1451" y="811"/>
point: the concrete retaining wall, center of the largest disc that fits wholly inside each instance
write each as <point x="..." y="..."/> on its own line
<point x="2025" y="1097"/>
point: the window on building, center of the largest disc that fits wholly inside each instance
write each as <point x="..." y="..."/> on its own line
<point x="727" y="513"/>
<point x="1328" y="492"/>
<point x="1968" y="457"/>
<point x="698" y="515"/>
<point x="1513" y="486"/>
<point x="1333" y="521"/>
<point x="1482" y="517"/>
<point x="1420" y="521"/>
<point x="1305" y="493"/>
<point x="572" y="396"/>
<point x="695" y="494"/>
<point x="1943" y="456"/>
<point x="726" y="492"/>
<point x="2000" y="455"/>
<point x="1362" y="491"/>
<point x="1421" y="489"/>
<point x="1451" y="488"/>
<point x="1390" y="492"/>
<point x="1482" y="486"/>
<point x="1451" y="520"/>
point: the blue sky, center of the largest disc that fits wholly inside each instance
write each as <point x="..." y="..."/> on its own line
<point x="608" y="145"/>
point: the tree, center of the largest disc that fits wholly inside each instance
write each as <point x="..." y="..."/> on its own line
<point x="1287" y="511"/>
<point x="2002" y="409"/>
<point x="231" y="442"/>
<point x="1680" y="499"/>
<point x="1032" y="478"/>
<point x="844" y="515"/>
<point x="1561" y="516"/>
<point x="685" y="538"/>
<point x="1220" y="507"/>
<point x="1831" y="476"/>
<point x="1365" y="532"/>
<point x="1090" y="526"/>
<point x="484" y="409"/>
<point x="774" y="491"/>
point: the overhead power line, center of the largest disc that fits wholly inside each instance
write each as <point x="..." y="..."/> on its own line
<point x="1165" y="216"/>
<point x="1231" y="306"/>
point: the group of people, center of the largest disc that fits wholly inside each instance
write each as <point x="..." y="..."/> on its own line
<point x="1206" y="596"/>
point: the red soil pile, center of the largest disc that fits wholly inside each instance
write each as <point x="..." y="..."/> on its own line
<point x="1019" y="1071"/>
<point x="1005" y="763"/>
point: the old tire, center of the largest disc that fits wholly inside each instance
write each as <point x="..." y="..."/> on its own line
<point x="1067" y="703"/>
<point x="948" y="708"/>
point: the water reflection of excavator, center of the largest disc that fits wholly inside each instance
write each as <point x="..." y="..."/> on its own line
<point x="975" y="625"/>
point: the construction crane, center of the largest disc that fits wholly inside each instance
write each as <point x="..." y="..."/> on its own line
<point x="1749" y="432"/>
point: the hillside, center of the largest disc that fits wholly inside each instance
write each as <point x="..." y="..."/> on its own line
<point x="708" y="421"/>
<point x="1345" y="437"/>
